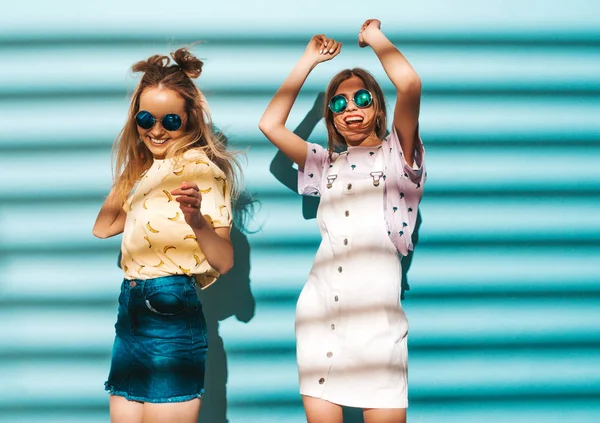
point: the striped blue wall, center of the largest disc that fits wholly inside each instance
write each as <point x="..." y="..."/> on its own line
<point x="504" y="305"/>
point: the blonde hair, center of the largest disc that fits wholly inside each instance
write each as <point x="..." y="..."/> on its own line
<point x="335" y="139"/>
<point x="131" y="158"/>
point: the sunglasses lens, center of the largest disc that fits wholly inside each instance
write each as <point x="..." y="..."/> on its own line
<point x="362" y="98"/>
<point x="338" y="104"/>
<point x="171" y="122"/>
<point x="144" y="119"/>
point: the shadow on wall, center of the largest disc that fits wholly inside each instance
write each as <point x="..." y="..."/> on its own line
<point x="229" y="296"/>
<point x="282" y="168"/>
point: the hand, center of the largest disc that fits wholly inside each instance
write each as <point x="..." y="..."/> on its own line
<point x="190" y="199"/>
<point x="368" y="27"/>
<point x="320" y="48"/>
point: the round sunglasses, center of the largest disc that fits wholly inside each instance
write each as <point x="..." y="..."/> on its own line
<point x="362" y="98"/>
<point x="145" y="120"/>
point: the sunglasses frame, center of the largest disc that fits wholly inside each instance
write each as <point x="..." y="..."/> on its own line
<point x="348" y="101"/>
<point x="162" y="119"/>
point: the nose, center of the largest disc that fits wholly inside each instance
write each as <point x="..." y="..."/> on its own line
<point x="157" y="130"/>
<point x="351" y="105"/>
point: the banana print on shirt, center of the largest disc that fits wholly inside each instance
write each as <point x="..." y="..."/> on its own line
<point x="157" y="241"/>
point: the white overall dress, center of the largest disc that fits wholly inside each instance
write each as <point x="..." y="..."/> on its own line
<point x="351" y="331"/>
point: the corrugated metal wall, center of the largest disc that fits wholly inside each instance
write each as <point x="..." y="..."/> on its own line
<point x="504" y="305"/>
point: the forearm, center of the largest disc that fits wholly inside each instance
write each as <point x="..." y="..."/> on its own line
<point x="217" y="250"/>
<point x="279" y="108"/>
<point x="407" y="84"/>
<point x="397" y="68"/>
<point x="272" y="124"/>
<point x="111" y="218"/>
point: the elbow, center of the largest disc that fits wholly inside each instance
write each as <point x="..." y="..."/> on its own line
<point x="225" y="267"/>
<point x="264" y="126"/>
<point x="416" y="83"/>
<point x="225" y="261"/>
<point x="99" y="233"/>
<point x="103" y="233"/>
<point x="269" y="127"/>
<point x="412" y="84"/>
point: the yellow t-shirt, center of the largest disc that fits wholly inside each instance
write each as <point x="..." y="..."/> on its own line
<point x="157" y="241"/>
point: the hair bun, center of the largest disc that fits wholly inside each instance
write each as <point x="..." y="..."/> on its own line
<point x="153" y="62"/>
<point x="187" y="62"/>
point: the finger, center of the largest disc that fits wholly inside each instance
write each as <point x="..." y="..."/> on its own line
<point x="327" y="45"/>
<point x="188" y="211"/>
<point x="330" y="47"/>
<point x="330" y="44"/>
<point x="318" y="40"/>
<point x="333" y="47"/>
<point x="185" y="185"/>
<point x="188" y="191"/>
<point x="338" y="49"/>
<point x="191" y="202"/>
<point x="323" y="45"/>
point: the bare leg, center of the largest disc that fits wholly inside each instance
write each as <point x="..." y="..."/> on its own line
<point x="177" y="412"/>
<point x="321" y="411"/>
<point x="124" y="411"/>
<point x="384" y="415"/>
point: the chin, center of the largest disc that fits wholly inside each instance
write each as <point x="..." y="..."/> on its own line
<point x="158" y="151"/>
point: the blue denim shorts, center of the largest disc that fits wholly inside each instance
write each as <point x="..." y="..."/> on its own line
<point x="160" y="345"/>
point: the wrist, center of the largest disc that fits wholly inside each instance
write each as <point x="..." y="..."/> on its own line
<point x="308" y="61"/>
<point x="200" y="223"/>
<point x="371" y="35"/>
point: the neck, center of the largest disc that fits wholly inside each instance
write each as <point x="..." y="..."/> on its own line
<point x="371" y="141"/>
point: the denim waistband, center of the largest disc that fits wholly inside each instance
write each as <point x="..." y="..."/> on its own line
<point x="160" y="281"/>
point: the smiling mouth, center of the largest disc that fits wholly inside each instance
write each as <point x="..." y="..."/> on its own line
<point x="157" y="142"/>
<point x="354" y="120"/>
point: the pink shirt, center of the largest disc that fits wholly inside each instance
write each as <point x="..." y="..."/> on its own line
<point x="403" y="184"/>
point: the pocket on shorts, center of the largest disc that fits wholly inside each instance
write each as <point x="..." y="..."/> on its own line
<point x="167" y="301"/>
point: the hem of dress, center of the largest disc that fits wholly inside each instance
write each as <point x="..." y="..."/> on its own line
<point x="402" y="404"/>
<point x="180" y="398"/>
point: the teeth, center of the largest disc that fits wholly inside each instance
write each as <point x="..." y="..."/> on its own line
<point x="354" y="120"/>
<point x="155" y="141"/>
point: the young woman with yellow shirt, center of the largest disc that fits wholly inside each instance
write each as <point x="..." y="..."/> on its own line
<point x="174" y="181"/>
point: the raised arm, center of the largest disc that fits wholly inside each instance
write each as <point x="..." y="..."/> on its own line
<point x="405" y="79"/>
<point x="281" y="166"/>
<point x="272" y="123"/>
<point x="111" y="219"/>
